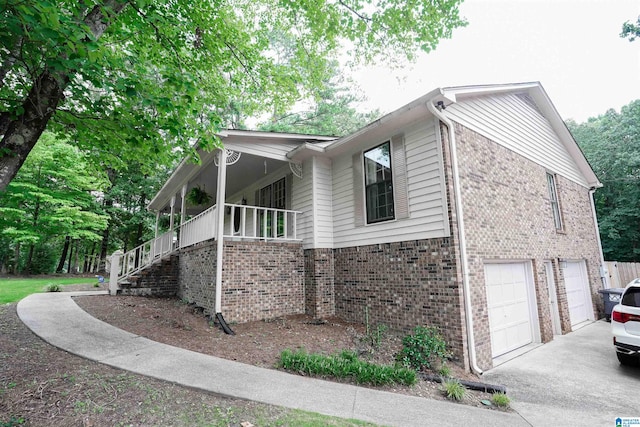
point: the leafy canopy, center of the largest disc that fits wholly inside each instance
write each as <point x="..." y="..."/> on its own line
<point x="52" y="197"/>
<point x="611" y="143"/>
<point x="143" y="79"/>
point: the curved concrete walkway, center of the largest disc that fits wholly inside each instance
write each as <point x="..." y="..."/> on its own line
<point x="58" y="320"/>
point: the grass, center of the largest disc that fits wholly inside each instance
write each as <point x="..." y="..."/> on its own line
<point x="13" y="290"/>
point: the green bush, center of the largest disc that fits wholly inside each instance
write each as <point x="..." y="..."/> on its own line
<point x="501" y="400"/>
<point x="444" y="371"/>
<point x="345" y="364"/>
<point x="53" y="287"/>
<point x="453" y="389"/>
<point x="424" y="347"/>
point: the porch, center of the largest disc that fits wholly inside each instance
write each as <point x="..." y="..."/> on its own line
<point x="241" y="223"/>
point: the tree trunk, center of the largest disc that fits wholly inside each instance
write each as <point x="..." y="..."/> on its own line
<point x="104" y="247"/>
<point x="70" y="259"/>
<point x="20" y="135"/>
<point x="23" y="133"/>
<point x="63" y="257"/>
<point x="16" y="256"/>
<point x="27" y="268"/>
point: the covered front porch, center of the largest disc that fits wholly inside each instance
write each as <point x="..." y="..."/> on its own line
<point x="235" y="200"/>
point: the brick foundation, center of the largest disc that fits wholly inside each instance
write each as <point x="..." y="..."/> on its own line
<point x="319" y="282"/>
<point x="261" y="280"/>
<point x="401" y="285"/>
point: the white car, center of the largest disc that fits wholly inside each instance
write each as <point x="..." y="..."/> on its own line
<point x="625" y="325"/>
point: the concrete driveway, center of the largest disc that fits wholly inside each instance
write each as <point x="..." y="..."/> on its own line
<point x="574" y="380"/>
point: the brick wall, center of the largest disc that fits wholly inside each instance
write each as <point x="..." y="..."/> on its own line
<point x="401" y="285"/>
<point x="319" y="282"/>
<point x="261" y="280"/>
<point x="508" y="216"/>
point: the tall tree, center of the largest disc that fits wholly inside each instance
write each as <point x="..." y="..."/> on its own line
<point x="131" y="80"/>
<point x="51" y="199"/>
<point x="611" y="143"/>
<point x="331" y="112"/>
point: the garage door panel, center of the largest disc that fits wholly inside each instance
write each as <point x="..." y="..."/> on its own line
<point x="576" y="287"/>
<point x="508" y="307"/>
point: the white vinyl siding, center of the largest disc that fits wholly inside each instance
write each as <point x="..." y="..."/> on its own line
<point x="302" y="200"/>
<point x="514" y="122"/>
<point x="322" y="195"/>
<point x="425" y="187"/>
<point x="312" y="196"/>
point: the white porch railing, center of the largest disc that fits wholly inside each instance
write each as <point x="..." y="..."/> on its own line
<point x="242" y="222"/>
<point x="199" y="228"/>
<point x="145" y="254"/>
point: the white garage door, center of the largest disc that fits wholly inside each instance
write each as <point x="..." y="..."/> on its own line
<point x="576" y="284"/>
<point x="508" y="306"/>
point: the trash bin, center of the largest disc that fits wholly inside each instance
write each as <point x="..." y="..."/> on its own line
<point x="611" y="298"/>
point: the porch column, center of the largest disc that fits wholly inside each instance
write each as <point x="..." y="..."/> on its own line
<point x="173" y="210"/>
<point x="220" y="198"/>
<point x="183" y="205"/>
<point x="157" y="223"/>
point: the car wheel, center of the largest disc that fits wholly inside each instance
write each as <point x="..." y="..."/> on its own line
<point x="627" y="360"/>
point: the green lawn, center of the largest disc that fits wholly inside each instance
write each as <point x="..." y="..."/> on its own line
<point x="12" y="290"/>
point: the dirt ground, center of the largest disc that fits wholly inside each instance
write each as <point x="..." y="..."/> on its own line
<point x="41" y="385"/>
<point x="173" y="322"/>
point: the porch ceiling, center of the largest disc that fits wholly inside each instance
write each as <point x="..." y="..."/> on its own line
<point x="249" y="169"/>
<point x="256" y="148"/>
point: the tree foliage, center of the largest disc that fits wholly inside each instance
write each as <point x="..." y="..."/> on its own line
<point x="611" y="143"/>
<point x="332" y="112"/>
<point x="131" y="81"/>
<point x="631" y="30"/>
<point x="52" y="198"/>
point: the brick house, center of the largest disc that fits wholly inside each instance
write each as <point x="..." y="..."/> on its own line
<point x="470" y="209"/>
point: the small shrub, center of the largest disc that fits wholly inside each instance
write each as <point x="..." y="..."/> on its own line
<point x="444" y="371"/>
<point x="345" y="364"/>
<point x="501" y="400"/>
<point x="453" y="389"/>
<point x="373" y="337"/>
<point x="424" y="347"/>
<point x="53" y="287"/>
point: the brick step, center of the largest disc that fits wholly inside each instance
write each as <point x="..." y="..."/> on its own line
<point x="157" y="279"/>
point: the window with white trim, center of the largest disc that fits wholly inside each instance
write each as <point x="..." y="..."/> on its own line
<point x="553" y="198"/>
<point x="272" y="196"/>
<point x="378" y="183"/>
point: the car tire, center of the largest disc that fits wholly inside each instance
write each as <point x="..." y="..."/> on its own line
<point x="627" y="360"/>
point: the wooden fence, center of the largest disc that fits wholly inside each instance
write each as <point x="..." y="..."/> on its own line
<point x="621" y="273"/>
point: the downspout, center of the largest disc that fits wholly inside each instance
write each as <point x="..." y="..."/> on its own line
<point x="220" y="198"/>
<point x="604" y="272"/>
<point x="457" y="194"/>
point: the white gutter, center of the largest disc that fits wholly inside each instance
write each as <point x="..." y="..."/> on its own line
<point x="604" y="272"/>
<point x="457" y="194"/>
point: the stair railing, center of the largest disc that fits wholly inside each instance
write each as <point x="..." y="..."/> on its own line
<point x="138" y="258"/>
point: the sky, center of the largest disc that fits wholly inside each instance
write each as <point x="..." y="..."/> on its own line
<point x="572" y="47"/>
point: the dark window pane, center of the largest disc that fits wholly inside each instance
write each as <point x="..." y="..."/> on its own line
<point x="378" y="183"/>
